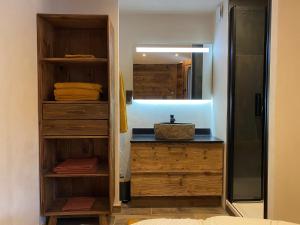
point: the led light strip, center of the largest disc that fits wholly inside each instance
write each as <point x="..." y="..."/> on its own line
<point x="172" y="50"/>
<point x="171" y="102"/>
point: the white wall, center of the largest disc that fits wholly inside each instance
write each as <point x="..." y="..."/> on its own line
<point x="19" y="171"/>
<point x="19" y="153"/>
<point x="220" y="78"/>
<point x="284" y="141"/>
<point x="220" y="74"/>
<point x="160" y="29"/>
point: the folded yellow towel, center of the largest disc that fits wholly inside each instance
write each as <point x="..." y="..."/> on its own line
<point x="76" y="94"/>
<point x="123" y="112"/>
<point x="79" y="85"/>
<point x="76" y="98"/>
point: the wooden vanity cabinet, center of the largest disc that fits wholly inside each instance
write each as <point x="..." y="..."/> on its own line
<point x="176" y="169"/>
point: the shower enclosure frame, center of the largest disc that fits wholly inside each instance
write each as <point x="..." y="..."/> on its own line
<point x="230" y="115"/>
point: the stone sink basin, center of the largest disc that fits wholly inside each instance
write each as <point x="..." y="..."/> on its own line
<point x="174" y="131"/>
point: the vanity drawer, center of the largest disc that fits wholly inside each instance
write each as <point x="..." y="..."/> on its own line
<point x="158" y="157"/>
<point x="75" y="127"/>
<point x="176" y="185"/>
<point x="75" y="111"/>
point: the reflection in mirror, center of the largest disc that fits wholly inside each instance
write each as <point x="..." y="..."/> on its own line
<point x="180" y="72"/>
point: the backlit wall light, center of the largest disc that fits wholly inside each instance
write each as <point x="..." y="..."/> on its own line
<point x="171" y="102"/>
<point x="172" y="49"/>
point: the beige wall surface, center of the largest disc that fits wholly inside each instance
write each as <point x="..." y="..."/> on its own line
<point x="284" y="159"/>
<point x="19" y="173"/>
<point x="19" y="153"/>
<point x="220" y="77"/>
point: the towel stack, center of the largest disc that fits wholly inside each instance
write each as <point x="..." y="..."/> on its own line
<point x="81" y="166"/>
<point x="77" y="91"/>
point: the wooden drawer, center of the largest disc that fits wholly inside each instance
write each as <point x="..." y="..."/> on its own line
<point x="176" y="185"/>
<point x="75" y="127"/>
<point x="75" y="111"/>
<point x="158" y="157"/>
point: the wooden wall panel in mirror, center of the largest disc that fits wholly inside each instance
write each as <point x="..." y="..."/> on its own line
<point x="173" y="75"/>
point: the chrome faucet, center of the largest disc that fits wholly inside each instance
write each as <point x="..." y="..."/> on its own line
<point x="172" y="119"/>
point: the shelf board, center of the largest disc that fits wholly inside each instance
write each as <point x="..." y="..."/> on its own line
<point x="101" y="172"/>
<point x="100" y="207"/>
<point x="75" y="102"/>
<point x="75" y="60"/>
<point x="75" y="137"/>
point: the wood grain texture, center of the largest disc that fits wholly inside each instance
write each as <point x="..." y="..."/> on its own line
<point x="75" y="60"/>
<point x="103" y="220"/>
<point x="180" y="81"/>
<point x="75" y="111"/>
<point x="112" y="110"/>
<point x="99" y="208"/>
<point x="197" y="158"/>
<point x="176" y="169"/>
<point x="75" y="127"/>
<point x="171" y="202"/>
<point x="176" y="185"/>
<point x="154" y="81"/>
<point x="75" y="21"/>
<point x="52" y="220"/>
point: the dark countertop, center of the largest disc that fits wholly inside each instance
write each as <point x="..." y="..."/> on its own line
<point x="147" y="135"/>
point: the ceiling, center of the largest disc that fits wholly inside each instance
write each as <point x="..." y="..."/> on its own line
<point x="168" y="6"/>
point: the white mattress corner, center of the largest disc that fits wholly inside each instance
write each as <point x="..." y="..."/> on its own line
<point x="217" y="220"/>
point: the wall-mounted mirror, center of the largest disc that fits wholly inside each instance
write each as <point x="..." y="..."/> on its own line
<point x="172" y="72"/>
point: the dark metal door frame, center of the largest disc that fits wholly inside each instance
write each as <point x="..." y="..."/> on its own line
<point x="230" y="115"/>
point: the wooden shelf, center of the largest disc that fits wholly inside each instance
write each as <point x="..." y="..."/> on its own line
<point x="75" y="102"/>
<point x="75" y="60"/>
<point x="76" y="137"/>
<point x="101" y="172"/>
<point x="74" y="128"/>
<point x="100" y="207"/>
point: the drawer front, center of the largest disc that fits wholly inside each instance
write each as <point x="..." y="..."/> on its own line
<point x="176" y="185"/>
<point x="75" y="127"/>
<point x="177" y="158"/>
<point x="75" y="111"/>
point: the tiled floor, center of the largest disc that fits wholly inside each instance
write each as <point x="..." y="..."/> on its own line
<point x="129" y="213"/>
<point x="250" y="209"/>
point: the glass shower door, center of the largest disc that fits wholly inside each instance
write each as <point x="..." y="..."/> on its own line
<point x="246" y="98"/>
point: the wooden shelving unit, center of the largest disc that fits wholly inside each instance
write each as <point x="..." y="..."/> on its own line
<point x="75" y="129"/>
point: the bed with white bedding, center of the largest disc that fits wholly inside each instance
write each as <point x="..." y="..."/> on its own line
<point x="218" y="220"/>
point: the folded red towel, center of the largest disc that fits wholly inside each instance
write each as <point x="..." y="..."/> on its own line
<point x="86" y="165"/>
<point x="79" y="203"/>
